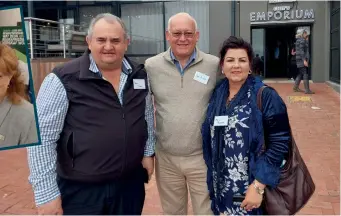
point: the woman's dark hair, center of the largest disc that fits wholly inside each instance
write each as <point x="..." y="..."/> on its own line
<point x="236" y="43"/>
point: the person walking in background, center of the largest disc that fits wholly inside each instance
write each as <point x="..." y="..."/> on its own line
<point x="292" y="70"/>
<point x="97" y="128"/>
<point x="234" y="131"/>
<point x="182" y="80"/>
<point x="302" y="61"/>
<point x="257" y="65"/>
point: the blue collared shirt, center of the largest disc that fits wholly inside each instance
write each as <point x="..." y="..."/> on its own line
<point x="126" y="70"/>
<point x="277" y="53"/>
<point x="189" y="62"/>
<point x="52" y="105"/>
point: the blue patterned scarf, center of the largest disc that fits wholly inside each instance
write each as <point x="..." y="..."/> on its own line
<point x="214" y="157"/>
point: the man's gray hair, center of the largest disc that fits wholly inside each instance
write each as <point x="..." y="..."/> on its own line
<point x="182" y="13"/>
<point x="109" y="18"/>
<point x="300" y="32"/>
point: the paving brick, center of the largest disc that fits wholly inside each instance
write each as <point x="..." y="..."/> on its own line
<point x="334" y="193"/>
<point x="19" y="211"/>
<point x="4" y="207"/>
<point x="328" y="212"/>
<point x="331" y="199"/>
<point x="320" y="204"/>
<point x="310" y="211"/>
<point x="336" y="208"/>
<point x="317" y="133"/>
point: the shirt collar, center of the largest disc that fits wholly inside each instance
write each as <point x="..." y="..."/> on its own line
<point x="126" y="68"/>
<point x="192" y="58"/>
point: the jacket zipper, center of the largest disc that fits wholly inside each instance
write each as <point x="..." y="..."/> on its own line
<point x="125" y="139"/>
<point x="183" y="74"/>
<point x="123" y="117"/>
<point x="73" y="152"/>
<point x="73" y="157"/>
<point x="125" y="130"/>
<point x="124" y="120"/>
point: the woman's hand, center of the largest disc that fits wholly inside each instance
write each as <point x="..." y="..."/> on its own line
<point x="252" y="198"/>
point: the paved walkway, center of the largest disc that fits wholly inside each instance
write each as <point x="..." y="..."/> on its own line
<point x="317" y="132"/>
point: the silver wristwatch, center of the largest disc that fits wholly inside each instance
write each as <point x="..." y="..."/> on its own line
<point x="259" y="190"/>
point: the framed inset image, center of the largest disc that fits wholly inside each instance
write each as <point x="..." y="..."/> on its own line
<point x="18" y="114"/>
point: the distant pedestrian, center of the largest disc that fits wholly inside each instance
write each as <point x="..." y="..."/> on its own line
<point x="257" y="65"/>
<point x="292" y="70"/>
<point x="302" y="61"/>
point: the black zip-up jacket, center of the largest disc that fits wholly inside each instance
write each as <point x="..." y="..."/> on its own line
<point x="302" y="51"/>
<point x="102" y="140"/>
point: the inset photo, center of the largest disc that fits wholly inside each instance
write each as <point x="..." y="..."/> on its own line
<point x="18" y="116"/>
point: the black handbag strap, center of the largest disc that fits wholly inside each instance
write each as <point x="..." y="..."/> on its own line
<point x="260" y="107"/>
<point x="259" y="97"/>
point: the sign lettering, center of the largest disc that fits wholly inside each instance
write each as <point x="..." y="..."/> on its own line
<point x="280" y="1"/>
<point x="281" y="8"/>
<point x="282" y="15"/>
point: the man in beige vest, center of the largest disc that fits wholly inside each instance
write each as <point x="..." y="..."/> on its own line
<point x="182" y="80"/>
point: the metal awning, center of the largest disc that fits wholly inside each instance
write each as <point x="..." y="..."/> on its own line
<point x="275" y="22"/>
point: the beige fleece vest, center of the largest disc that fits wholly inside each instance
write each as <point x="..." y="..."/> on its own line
<point x="181" y="102"/>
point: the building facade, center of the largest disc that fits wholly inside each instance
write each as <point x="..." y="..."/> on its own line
<point x="266" y="24"/>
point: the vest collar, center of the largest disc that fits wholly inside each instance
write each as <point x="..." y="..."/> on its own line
<point x="198" y="57"/>
<point x="84" y="64"/>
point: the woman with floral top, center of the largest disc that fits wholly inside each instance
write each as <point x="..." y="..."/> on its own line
<point x="234" y="132"/>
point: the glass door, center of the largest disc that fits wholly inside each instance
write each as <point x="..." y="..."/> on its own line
<point x="258" y="45"/>
<point x="334" y="74"/>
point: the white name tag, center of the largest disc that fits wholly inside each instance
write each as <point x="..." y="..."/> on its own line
<point x="200" y="77"/>
<point x="221" y="120"/>
<point x="139" y="84"/>
<point x="2" y="137"/>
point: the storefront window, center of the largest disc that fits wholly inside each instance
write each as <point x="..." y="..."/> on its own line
<point x="87" y="13"/>
<point x="144" y="22"/>
<point x="335" y="42"/>
<point x="200" y="11"/>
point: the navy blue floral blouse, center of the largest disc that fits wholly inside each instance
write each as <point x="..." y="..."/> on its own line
<point x="232" y="152"/>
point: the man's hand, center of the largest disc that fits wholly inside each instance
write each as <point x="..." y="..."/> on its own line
<point x="51" y="208"/>
<point x="148" y="164"/>
<point x="305" y="63"/>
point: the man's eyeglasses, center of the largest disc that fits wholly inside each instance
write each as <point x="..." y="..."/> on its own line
<point x="186" y="34"/>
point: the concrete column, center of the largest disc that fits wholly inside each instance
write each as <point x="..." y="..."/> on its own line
<point x="30" y="10"/>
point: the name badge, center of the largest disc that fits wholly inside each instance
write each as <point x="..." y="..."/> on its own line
<point x="139" y="84"/>
<point x="200" y="77"/>
<point x="221" y="120"/>
<point x="2" y="137"/>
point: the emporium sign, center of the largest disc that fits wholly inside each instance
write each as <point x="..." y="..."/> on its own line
<point x="280" y="1"/>
<point x="280" y="15"/>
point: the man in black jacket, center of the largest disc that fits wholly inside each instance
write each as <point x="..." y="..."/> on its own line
<point x="302" y="60"/>
<point x="97" y="128"/>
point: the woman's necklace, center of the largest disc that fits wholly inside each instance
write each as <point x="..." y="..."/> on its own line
<point x="229" y="99"/>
